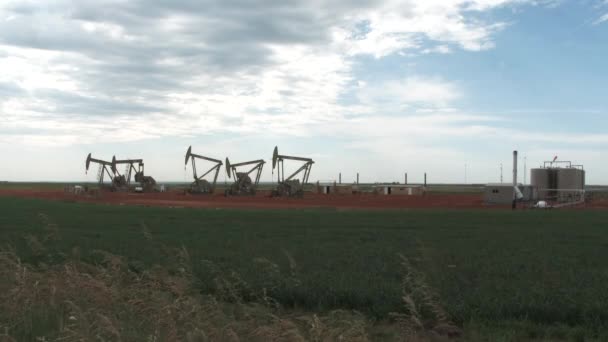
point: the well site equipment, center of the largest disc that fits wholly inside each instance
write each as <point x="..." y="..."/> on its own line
<point x="403" y="190"/>
<point x="105" y="168"/>
<point x="201" y="185"/>
<point x="290" y="186"/>
<point x="503" y="193"/>
<point x="243" y="184"/>
<point x="507" y="193"/>
<point x="135" y="168"/>
<point x="559" y="182"/>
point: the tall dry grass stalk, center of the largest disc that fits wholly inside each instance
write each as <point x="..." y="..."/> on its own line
<point x="423" y="314"/>
<point x="109" y="301"/>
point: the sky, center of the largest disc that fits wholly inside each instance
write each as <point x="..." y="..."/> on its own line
<point x="378" y="87"/>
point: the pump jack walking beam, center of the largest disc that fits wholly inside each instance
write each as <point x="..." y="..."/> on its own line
<point x="259" y="164"/>
<point x="199" y="183"/>
<point x="147" y="183"/>
<point x="290" y="186"/>
<point x="243" y="184"/>
<point x="278" y="160"/>
<point x="131" y="163"/>
<point x="106" y="167"/>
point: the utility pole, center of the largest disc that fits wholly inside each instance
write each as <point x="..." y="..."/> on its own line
<point x="500" y="173"/>
<point x="465" y="173"/>
<point x="514" y="179"/>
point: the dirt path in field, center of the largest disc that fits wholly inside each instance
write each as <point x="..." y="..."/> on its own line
<point x="600" y="203"/>
<point x="262" y="200"/>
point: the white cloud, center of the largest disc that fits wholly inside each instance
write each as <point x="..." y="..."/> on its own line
<point x="441" y="49"/>
<point x="601" y="19"/>
<point x="401" y="25"/>
<point x="600" y="6"/>
<point x="140" y="64"/>
<point x="412" y="91"/>
<point x="109" y="72"/>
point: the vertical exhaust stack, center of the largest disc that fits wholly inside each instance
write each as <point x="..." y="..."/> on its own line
<point x="514" y="179"/>
<point x="525" y="171"/>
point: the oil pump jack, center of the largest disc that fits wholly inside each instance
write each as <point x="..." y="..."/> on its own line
<point x="243" y="184"/>
<point x="134" y="167"/>
<point x="104" y="169"/>
<point x="290" y="187"/>
<point x="200" y="185"/>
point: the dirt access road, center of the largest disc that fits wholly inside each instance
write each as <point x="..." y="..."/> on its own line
<point x="262" y="200"/>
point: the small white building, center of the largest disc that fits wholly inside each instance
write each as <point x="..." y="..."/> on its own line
<point x="403" y="190"/>
<point x="502" y="193"/>
<point x="333" y="188"/>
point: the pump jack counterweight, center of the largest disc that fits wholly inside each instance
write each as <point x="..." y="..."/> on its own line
<point x="243" y="184"/>
<point x="135" y="168"/>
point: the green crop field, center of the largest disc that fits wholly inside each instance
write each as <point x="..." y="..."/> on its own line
<point x="497" y="275"/>
<point x="32" y="186"/>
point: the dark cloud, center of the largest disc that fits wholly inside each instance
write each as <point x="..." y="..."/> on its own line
<point x="129" y="57"/>
<point x="210" y="38"/>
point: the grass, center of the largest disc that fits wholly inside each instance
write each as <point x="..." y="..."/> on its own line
<point x="498" y="275"/>
<point x="77" y="301"/>
<point x="32" y="186"/>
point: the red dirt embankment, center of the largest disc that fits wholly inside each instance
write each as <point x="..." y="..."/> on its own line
<point x="262" y="200"/>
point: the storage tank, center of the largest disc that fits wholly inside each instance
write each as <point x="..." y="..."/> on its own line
<point x="543" y="179"/>
<point x="539" y="178"/>
<point x="553" y="179"/>
<point x="570" y="179"/>
<point x="559" y="183"/>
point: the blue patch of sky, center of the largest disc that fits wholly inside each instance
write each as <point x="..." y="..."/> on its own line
<point x="548" y="69"/>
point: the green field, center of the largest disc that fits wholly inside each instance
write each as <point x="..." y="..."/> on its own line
<point x="496" y="274"/>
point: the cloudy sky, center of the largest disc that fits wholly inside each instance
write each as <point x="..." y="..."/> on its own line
<point x="381" y="87"/>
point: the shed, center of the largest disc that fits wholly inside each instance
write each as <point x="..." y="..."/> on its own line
<point x="502" y="193"/>
<point x="333" y="188"/>
<point x="403" y="190"/>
